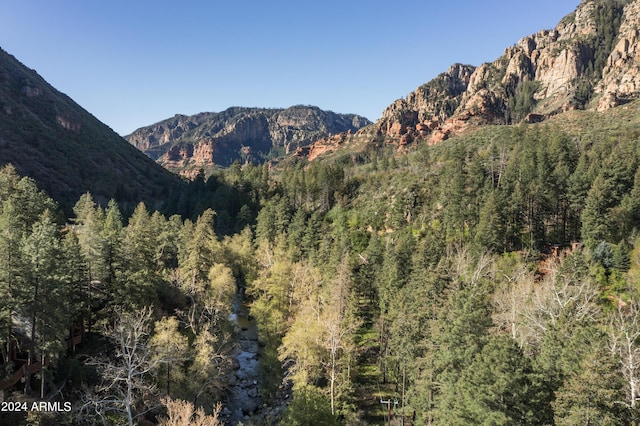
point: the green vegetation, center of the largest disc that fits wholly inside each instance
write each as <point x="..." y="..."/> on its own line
<point x="607" y="16"/>
<point x="67" y="151"/>
<point x="153" y="296"/>
<point x="462" y="313"/>
<point x="490" y="279"/>
<point x="445" y="91"/>
<point x="521" y="102"/>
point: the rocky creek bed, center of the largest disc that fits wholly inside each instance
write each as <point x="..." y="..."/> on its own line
<point x="244" y="396"/>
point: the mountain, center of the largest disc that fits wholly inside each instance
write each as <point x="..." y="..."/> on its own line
<point x="187" y="143"/>
<point x="66" y="150"/>
<point x="590" y="60"/>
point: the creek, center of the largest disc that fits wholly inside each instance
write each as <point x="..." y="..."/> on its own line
<point x="244" y="397"/>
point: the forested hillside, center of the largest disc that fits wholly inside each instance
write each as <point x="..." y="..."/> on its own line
<point x="446" y="266"/>
<point x="489" y="279"/>
<point x="118" y="317"/>
<point x="46" y="135"/>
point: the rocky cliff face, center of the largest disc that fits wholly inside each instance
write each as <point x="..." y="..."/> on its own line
<point x="186" y="143"/>
<point x="590" y="60"/>
<point x="621" y="74"/>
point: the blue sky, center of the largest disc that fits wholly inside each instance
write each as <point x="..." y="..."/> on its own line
<point x="135" y="62"/>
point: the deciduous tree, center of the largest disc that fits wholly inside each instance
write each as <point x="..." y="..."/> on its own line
<point x="127" y="384"/>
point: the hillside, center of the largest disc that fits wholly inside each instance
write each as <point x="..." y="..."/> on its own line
<point x="589" y="61"/>
<point x="187" y="143"/>
<point x="67" y="151"/>
<point x="398" y="278"/>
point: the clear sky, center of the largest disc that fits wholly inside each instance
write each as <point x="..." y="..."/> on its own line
<point x="132" y="63"/>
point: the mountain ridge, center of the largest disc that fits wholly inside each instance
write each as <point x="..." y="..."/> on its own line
<point x="186" y="144"/>
<point x="543" y="74"/>
<point x="590" y="60"/>
<point x="66" y="150"/>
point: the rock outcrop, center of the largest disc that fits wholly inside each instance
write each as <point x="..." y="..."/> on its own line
<point x="187" y="143"/>
<point x="588" y="61"/>
<point x="621" y="74"/>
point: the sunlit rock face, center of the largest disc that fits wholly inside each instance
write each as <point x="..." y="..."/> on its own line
<point x="621" y="74"/>
<point x="186" y="143"/>
<point x="588" y="61"/>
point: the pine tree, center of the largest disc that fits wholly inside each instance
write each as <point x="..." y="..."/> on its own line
<point x="12" y="269"/>
<point x="495" y="388"/>
<point x="196" y="255"/>
<point x="89" y="223"/>
<point x="592" y="396"/>
<point x="459" y="334"/>
<point x="44" y="295"/>
<point x="76" y="277"/>
<point x="490" y="229"/>
<point x="595" y="224"/>
<point x="141" y="277"/>
<point x="111" y="280"/>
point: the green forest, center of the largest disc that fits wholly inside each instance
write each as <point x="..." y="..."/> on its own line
<point x="490" y="279"/>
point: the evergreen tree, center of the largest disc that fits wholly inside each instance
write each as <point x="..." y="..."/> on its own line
<point x="593" y="394"/>
<point x="44" y="294"/>
<point x="12" y="269"/>
<point x="196" y="256"/>
<point x="141" y="278"/>
<point x="490" y="230"/>
<point x="89" y="224"/>
<point x="495" y="388"/>
<point x="112" y="279"/>
<point x="459" y="334"/>
<point x="76" y="276"/>
<point x="595" y="223"/>
<point x="455" y="200"/>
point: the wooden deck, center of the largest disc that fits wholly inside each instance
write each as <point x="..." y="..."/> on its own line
<point x="25" y="368"/>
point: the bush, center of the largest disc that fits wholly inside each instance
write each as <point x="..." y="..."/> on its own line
<point x="309" y="407"/>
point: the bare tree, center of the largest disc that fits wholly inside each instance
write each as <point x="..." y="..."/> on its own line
<point x="467" y="267"/>
<point x="182" y="413"/>
<point x="565" y="291"/>
<point x="624" y="334"/>
<point x="338" y="331"/>
<point x="125" y="389"/>
<point x="508" y="299"/>
<point x="338" y="326"/>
